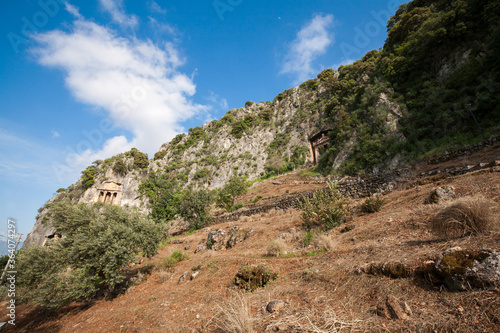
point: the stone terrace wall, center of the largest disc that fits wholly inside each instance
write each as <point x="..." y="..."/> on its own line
<point x="464" y="151"/>
<point x="353" y="188"/>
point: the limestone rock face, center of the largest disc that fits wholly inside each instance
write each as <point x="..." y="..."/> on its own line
<point x="218" y="152"/>
<point x="41" y="229"/>
<point x="216" y="240"/>
<point x="111" y="189"/>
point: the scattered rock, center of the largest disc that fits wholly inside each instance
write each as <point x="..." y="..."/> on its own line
<point x="175" y="241"/>
<point x="394" y="269"/>
<point x="216" y="240"/>
<point x="347" y="228"/>
<point x="200" y="248"/>
<point x="194" y="275"/>
<point x="183" y="277"/>
<point x="236" y="235"/>
<point x="253" y="277"/>
<point x="274" y="306"/>
<point x="441" y="194"/>
<point x="187" y="247"/>
<point x="462" y="270"/>
<point x="392" y="308"/>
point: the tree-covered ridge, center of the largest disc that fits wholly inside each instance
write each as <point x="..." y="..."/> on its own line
<point x="439" y="57"/>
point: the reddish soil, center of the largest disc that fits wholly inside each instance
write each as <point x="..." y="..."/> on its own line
<point x="317" y="288"/>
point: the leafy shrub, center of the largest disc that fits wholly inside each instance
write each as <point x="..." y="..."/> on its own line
<point x="171" y="261"/>
<point x="299" y="155"/>
<point x="178" y="138"/>
<point x="266" y="114"/>
<point x="373" y="204"/>
<point x="119" y="167"/>
<point x="160" y="154"/>
<point x="140" y="158"/>
<point x="326" y="74"/>
<point x="326" y="209"/>
<point x="99" y="242"/>
<point x="194" y="206"/>
<point x="249" y="103"/>
<point x="226" y="196"/>
<point x="238" y="128"/>
<point x="466" y="216"/>
<point x="307" y="239"/>
<point x="311" y="84"/>
<point x="88" y="176"/>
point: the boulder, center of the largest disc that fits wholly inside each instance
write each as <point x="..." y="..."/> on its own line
<point x="392" y="308"/>
<point x="183" y="277"/>
<point x="200" y="248"/>
<point x="462" y="270"/>
<point x="216" y="240"/>
<point x="274" y="306"/>
<point x="441" y="194"/>
<point x="237" y="235"/>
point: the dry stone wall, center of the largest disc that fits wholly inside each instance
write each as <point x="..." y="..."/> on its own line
<point x="464" y="151"/>
<point x="352" y="188"/>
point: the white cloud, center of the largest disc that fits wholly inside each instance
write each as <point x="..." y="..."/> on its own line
<point x="311" y="42"/>
<point x="55" y="134"/>
<point x="136" y="82"/>
<point x="115" y="9"/>
<point x="157" y="8"/>
<point x="217" y="100"/>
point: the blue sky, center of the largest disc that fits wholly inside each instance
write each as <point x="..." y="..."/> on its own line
<point x="86" y="80"/>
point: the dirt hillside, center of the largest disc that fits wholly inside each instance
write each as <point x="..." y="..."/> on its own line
<point x="325" y="286"/>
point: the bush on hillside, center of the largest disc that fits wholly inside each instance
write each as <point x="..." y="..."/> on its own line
<point x="119" y="167"/>
<point x="88" y="176"/>
<point x="226" y="196"/>
<point x="326" y="209"/>
<point x="99" y="242"/>
<point x="194" y="208"/>
<point x="373" y="204"/>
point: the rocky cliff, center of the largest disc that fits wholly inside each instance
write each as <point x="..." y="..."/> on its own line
<point x="250" y="142"/>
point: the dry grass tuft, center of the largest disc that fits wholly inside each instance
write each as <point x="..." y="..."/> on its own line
<point x="466" y="216"/>
<point x="234" y="316"/>
<point x="275" y="248"/>
<point x="314" y="321"/>
<point x="323" y="243"/>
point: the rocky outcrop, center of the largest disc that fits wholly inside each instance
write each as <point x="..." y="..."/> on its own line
<point x="462" y="270"/>
<point x="441" y="194"/>
<point x="220" y="240"/>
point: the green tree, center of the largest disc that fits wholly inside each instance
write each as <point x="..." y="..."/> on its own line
<point x="88" y="177"/>
<point x="194" y="207"/>
<point x="99" y="242"/>
<point x="119" y="167"/>
<point x="226" y="196"/>
<point x="140" y="159"/>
